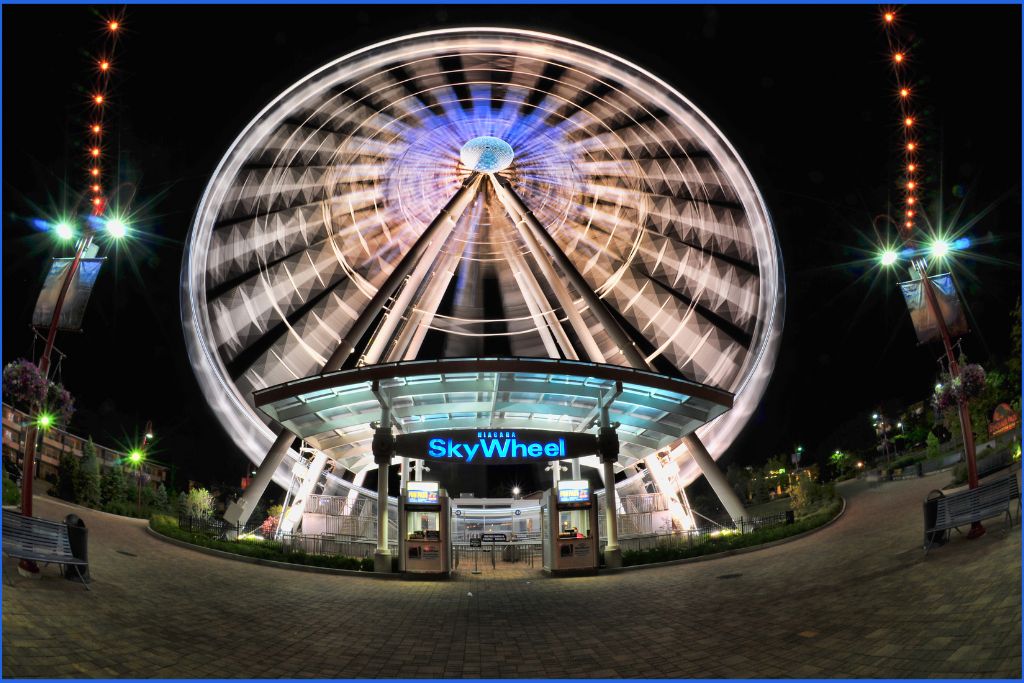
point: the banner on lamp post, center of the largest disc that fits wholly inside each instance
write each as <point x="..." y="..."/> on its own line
<point x="925" y="324"/>
<point x="75" y="301"/>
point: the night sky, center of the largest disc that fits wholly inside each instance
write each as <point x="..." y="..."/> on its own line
<point x="805" y="94"/>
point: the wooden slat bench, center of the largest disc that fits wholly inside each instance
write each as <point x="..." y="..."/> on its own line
<point x="972" y="505"/>
<point x="39" y="540"/>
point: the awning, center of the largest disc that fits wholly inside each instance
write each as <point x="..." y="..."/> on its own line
<point x="334" y="410"/>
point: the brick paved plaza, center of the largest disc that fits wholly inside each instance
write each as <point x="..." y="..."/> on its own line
<point x="856" y="599"/>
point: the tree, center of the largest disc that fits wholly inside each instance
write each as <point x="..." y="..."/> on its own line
<point x="114" y="486"/>
<point x="67" y="476"/>
<point x="160" y="502"/>
<point x="933" y="446"/>
<point x="199" y="503"/>
<point x="87" y="488"/>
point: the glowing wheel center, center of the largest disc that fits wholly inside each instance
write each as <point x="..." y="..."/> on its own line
<point x="486" y="154"/>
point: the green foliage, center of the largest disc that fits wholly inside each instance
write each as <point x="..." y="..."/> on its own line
<point x="160" y="501"/>
<point x="275" y="511"/>
<point x="87" y="486"/>
<point x="960" y="474"/>
<point x="807" y="496"/>
<point x="12" y="494"/>
<point x="199" y="503"/>
<point x="723" y="543"/>
<point x="1013" y="367"/>
<point x="67" y="476"/>
<point x="113" y="486"/>
<point x="933" y="446"/>
<point x="265" y="550"/>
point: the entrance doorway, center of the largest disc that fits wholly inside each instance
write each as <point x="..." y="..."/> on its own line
<point x="496" y="538"/>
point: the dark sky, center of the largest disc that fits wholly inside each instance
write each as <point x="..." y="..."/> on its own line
<point x="804" y="94"/>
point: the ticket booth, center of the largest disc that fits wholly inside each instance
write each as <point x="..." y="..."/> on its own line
<point x="569" y="520"/>
<point x="424" y="544"/>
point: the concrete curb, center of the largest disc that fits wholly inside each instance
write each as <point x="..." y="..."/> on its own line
<point x="727" y="553"/>
<point x="269" y="563"/>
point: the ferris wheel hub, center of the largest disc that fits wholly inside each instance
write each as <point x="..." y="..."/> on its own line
<point x="486" y="154"/>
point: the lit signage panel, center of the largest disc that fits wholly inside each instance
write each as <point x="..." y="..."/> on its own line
<point x="574" y="491"/>
<point x="422" y="492"/>
<point x="495" y="447"/>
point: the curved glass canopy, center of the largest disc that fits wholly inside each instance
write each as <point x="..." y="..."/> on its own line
<point x="334" y="410"/>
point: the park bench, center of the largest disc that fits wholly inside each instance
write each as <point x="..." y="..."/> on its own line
<point x="972" y="505"/>
<point x="39" y="540"/>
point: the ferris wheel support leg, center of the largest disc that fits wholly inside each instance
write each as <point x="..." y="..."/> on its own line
<point x="730" y="501"/>
<point x="626" y="346"/>
<point x="239" y="511"/>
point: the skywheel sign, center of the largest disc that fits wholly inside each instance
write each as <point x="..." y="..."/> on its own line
<point x="495" y="447"/>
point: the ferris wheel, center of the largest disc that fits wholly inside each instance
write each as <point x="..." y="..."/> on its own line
<point x="541" y="199"/>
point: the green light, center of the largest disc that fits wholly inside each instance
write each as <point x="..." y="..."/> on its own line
<point x="135" y="456"/>
<point x="939" y="248"/>
<point x="64" y="231"/>
<point x="888" y="257"/>
<point x="116" y="228"/>
<point x="45" y="420"/>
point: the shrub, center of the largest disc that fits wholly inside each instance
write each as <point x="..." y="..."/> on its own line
<point x="199" y="503"/>
<point x="12" y="494"/>
<point x="723" y="543"/>
<point x="933" y="446"/>
<point x="265" y="550"/>
<point x="807" y="495"/>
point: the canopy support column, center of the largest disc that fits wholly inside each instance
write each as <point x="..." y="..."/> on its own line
<point x="608" y="447"/>
<point x="383" y="451"/>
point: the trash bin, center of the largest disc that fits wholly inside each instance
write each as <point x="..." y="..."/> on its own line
<point x="931" y="512"/>
<point x="790" y="517"/>
<point x="78" y="537"/>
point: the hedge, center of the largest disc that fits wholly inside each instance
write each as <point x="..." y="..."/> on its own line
<point x="731" y="542"/>
<point x="264" y="550"/>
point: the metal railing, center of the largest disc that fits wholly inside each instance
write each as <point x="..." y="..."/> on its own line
<point x="249" y="533"/>
<point x="700" y="535"/>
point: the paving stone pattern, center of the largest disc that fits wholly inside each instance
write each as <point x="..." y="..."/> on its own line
<point x="857" y="599"/>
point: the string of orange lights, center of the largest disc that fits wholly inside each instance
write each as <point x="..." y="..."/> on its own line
<point x="100" y="114"/>
<point x="902" y="62"/>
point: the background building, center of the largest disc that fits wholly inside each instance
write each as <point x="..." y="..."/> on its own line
<point x="57" y="441"/>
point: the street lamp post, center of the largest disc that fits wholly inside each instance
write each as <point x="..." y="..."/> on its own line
<point x="939" y="249"/>
<point x="954" y="372"/>
<point x="44" y="366"/>
<point x="116" y="229"/>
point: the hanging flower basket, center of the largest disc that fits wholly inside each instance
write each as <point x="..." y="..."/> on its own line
<point x="968" y="385"/>
<point x="972" y="381"/>
<point x="24" y="385"/>
<point x="27" y="388"/>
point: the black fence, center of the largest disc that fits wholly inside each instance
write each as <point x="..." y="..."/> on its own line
<point x="251" y="533"/>
<point x="701" y="535"/>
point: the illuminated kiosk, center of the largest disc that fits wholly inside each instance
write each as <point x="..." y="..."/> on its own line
<point x="569" y="518"/>
<point x="424" y="542"/>
<point x="494" y="194"/>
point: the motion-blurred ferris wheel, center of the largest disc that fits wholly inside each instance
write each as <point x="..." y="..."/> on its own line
<point x="542" y="156"/>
